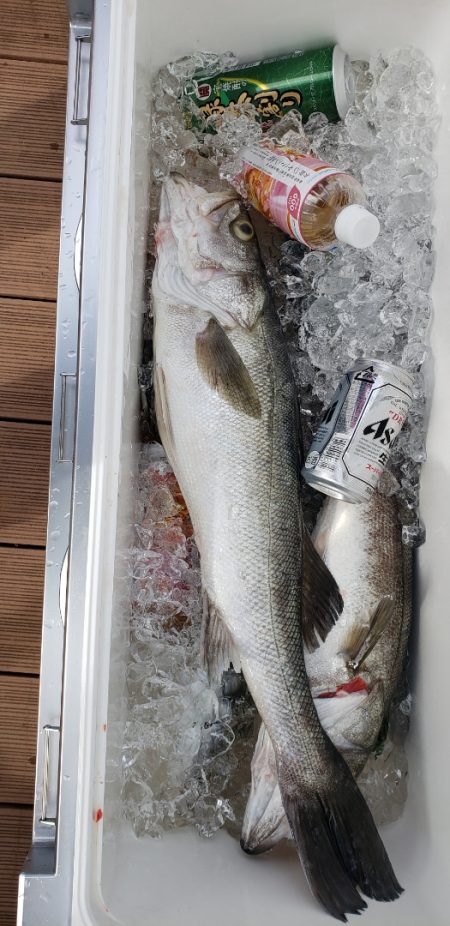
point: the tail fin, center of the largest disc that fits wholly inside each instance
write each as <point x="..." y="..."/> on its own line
<point x="340" y="848"/>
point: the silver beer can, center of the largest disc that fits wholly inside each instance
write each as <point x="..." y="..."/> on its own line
<point x="353" y="442"/>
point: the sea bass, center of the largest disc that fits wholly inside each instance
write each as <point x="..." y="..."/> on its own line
<point x="355" y="672"/>
<point x="226" y="411"/>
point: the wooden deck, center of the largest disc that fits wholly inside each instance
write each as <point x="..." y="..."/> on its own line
<point x="33" y="71"/>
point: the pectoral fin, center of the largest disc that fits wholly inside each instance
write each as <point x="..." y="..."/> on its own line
<point x="224" y="370"/>
<point x="218" y="649"/>
<point x="322" y="601"/>
<point x="163" y="414"/>
<point x="361" y="640"/>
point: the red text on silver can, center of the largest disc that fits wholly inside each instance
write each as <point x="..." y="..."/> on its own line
<point x="353" y="442"/>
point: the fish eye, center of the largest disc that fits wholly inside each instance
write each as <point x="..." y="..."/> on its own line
<point x="242" y="228"/>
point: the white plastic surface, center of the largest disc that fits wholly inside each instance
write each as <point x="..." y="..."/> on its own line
<point x="343" y="81"/>
<point x="77" y="252"/>
<point x="63" y="586"/>
<point x="182" y="879"/>
<point x="357" y="226"/>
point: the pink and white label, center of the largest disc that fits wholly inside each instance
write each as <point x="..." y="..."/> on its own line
<point x="278" y="180"/>
<point x="294" y="201"/>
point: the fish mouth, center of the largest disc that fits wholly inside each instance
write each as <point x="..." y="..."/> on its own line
<point x="164" y="207"/>
<point x="207" y="202"/>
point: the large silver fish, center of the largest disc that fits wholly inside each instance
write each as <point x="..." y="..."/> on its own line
<point x="355" y="672"/>
<point x="226" y="411"/>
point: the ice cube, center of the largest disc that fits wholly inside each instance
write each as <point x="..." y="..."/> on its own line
<point x="413" y="535"/>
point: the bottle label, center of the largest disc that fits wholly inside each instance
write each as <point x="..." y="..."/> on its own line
<point x="278" y="180"/>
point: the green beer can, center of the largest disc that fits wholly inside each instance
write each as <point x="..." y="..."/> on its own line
<point x="306" y="81"/>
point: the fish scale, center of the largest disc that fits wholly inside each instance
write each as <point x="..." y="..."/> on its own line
<point x="265" y="539"/>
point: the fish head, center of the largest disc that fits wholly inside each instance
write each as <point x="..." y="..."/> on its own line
<point x="207" y="253"/>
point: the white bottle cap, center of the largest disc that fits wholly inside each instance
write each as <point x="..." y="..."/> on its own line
<point x="357" y="226"/>
<point x="343" y="81"/>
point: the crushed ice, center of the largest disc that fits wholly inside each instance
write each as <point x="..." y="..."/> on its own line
<point x="345" y="304"/>
<point x="187" y="752"/>
<point x="184" y="742"/>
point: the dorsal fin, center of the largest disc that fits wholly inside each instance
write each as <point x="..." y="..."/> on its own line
<point x="361" y="640"/>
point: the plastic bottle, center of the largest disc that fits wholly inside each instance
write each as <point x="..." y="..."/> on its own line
<point x="310" y="200"/>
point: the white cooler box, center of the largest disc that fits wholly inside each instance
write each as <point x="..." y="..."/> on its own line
<point x="86" y="867"/>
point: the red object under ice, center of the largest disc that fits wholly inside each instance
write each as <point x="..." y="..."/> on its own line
<point x="356" y="684"/>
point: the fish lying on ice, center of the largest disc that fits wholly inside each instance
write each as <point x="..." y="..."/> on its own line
<point x="355" y="672"/>
<point x="226" y="411"/>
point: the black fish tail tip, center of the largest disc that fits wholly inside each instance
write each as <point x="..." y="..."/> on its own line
<point x="260" y="849"/>
<point x="397" y="891"/>
<point x="247" y="849"/>
<point x="339" y="846"/>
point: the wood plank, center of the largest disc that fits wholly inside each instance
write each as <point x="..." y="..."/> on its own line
<point x="34" y="29"/>
<point x="16" y="825"/>
<point x="29" y="238"/>
<point x="18" y="735"/>
<point x="21" y="596"/>
<point x="32" y="118"/>
<point x="24" y="474"/>
<point x="27" y="347"/>
<point x="32" y="103"/>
